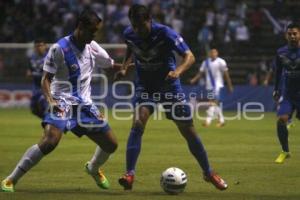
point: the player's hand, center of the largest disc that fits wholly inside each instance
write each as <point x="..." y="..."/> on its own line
<point x="276" y="95"/>
<point x="265" y="83"/>
<point x="172" y="75"/>
<point x="230" y="89"/>
<point x="54" y="107"/>
<point x="120" y="74"/>
<point x="191" y="82"/>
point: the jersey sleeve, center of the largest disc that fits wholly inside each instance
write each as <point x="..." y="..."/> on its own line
<point x="176" y="42"/>
<point x="223" y="65"/>
<point x="101" y="57"/>
<point x="54" y="59"/>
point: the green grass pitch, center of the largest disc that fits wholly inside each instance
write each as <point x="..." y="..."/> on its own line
<point x="243" y="152"/>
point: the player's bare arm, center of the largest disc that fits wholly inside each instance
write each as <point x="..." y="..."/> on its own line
<point x="228" y="81"/>
<point x="196" y="78"/>
<point x="278" y="73"/>
<point x="188" y="60"/>
<point x="268" y="78"/>
<point x="127" y="63"/>
<point x="46" y="82"/>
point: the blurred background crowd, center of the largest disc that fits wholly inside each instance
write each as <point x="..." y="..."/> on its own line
<point x="246" y="32"/>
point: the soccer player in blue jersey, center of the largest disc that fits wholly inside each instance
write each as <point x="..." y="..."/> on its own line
<point x="270" y="71"/>
<point x="38" y="103"/>
<point x="68" y="68"/>
<point x="287" y="69"/>
<point x="151" y="45"/>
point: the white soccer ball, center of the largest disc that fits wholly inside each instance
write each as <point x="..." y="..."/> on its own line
<point x="173" y="180"/>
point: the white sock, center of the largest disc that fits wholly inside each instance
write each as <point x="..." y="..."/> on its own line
<point x="98" y="159"/>
<point x="193" y="101"/>
<point x="220" y="115"/>
<point x="210" y="114"/>
<point x="30" y="158"/>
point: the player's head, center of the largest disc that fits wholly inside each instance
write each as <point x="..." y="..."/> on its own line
<point x="40" y="46"/>
<point x="88" y="23"/>
<point x="140" y="19"/>
<point x="293" y="34"/>
<point x="213" y="53"/>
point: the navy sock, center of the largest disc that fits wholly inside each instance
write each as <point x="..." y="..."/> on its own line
<point x="282" y="134"/>
<point x="197" y="149"/>
<point x="133" y="148"/>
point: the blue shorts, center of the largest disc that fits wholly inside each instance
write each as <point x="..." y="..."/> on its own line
<point x="38" y="104"/>
<point x="174" y="103"/>
<point x="287" y="106"/>
<point x="80" y="120"/>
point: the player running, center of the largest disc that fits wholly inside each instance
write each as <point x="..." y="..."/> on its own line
<point x="68" y="68"/>
<point x="288" y="69"/>
<point x="214" y="68"/>
<point x="38" y="103"/>
<point x="152" y="45"/>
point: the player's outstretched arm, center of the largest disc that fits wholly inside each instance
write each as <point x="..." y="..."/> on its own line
<point x="127" y="63"/>
<point x="268" y="78"/>
<point x="228" y="81"/>
<point x="278" y="75"/>
<point x="196" y="78"/>
<point x="46" y="82"/>
<point x="186" y="63"/>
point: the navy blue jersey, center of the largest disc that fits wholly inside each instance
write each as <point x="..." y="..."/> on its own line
<point x="36" y="69"/>
<point x="154" y="57"/>
<point x="288" y="69"/>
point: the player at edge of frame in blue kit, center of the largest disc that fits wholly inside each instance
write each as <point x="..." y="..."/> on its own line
<point x="152" y="45"/>
<point x="70" y="62"/>
<point x="38" y="103"/>
<point x="287" y="68"/>
<point x="271" y="70"/>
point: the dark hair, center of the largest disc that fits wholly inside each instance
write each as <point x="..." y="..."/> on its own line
<point x="293" y="25"/>
<point x="88" y="17"/>
<point x="139" y="12"/>
<point x="39" y="40"/>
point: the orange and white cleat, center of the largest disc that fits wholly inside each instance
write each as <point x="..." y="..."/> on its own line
<point x="126" y="181"/>
<point x="216" y="180"/>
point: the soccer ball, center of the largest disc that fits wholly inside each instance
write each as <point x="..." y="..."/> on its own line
<point x="173" y="180"/>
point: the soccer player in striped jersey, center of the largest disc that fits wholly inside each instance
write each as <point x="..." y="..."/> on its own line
<point x="68" y="69"/>
<point x="214" y="68"/>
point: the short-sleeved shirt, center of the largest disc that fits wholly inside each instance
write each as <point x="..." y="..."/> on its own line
<point x="72" y="69"/>
<point x="214" y="70"/>
<point x="288" y="61"/>
<point x="154" y="57"/>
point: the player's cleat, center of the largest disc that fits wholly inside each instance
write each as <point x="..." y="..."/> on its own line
<point x="7" y="186"/>
<point x="290" y="125"/>
<point x="282" y="156"/>
<point x="126" y="181"/>
<point x="220" y="124"/>
<point x="216" y="180"/>
<point x="99" y="178"/>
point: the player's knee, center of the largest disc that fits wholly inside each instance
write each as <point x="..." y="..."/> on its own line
<point x="111" y="148"/>
<point x="47" y="147"/>
<point x="50" y="140"/>
<point x="138" y="124"/>
<point x="283" y="120"/>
